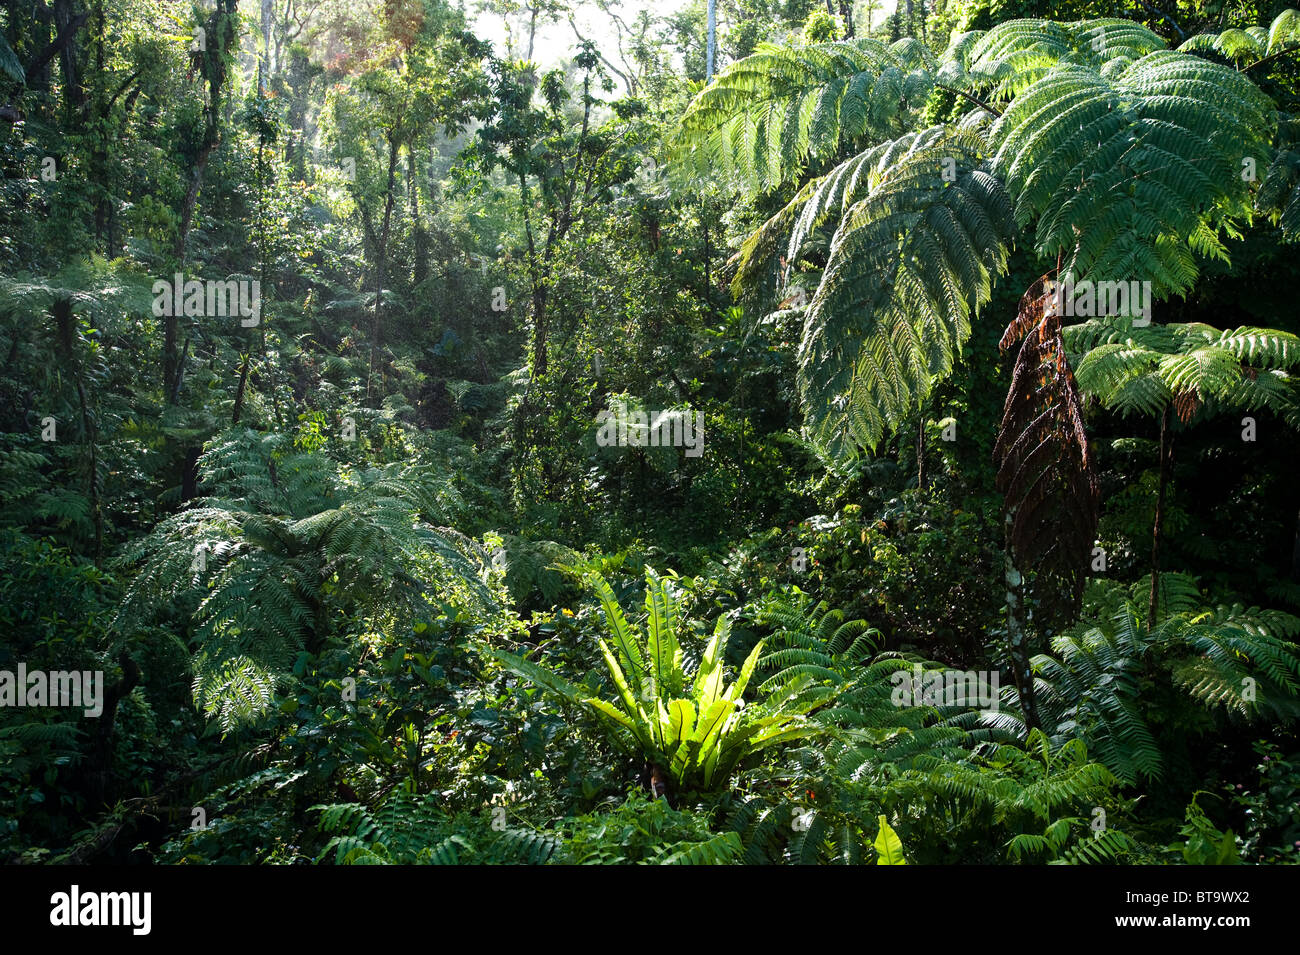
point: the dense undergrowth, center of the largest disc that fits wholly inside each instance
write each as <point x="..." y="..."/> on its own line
<point x="367" y="586"/>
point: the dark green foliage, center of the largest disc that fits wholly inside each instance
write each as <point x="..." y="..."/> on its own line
<point x="281" y="547"/>
<point x="1100" y="678"/>
<point x="364" y="585"/>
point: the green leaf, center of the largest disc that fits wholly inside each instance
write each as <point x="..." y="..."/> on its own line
<point x="889" y="848"/>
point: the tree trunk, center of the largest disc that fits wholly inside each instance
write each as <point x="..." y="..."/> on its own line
<point x="539" y="328"/>
<point x="264" y="76"/>
<point x="381" y="260"/>
<point x="711" y="53"/>
<point x="1166" y="457"/>
<point x="920" y="453"/>
<point x="245" y="361"/>
<point x="221" y="34"/>
<point x="420" y="238"/>
<point x="846" y="17"/>
<point x="66" y="335"/>
<point x="538" y="280"/>
<point x="1017" y="637"/>
<point x="74" y="87"/>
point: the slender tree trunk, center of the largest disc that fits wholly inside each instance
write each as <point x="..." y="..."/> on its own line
<point x="920" y="453"/>
<point x="244" y="361"/>
<point x="381" y="261"/>
<point x="1166" y="456"/>
<point x="1017" y="637"/>
<point x="538" y="281"/>
<point x="264" y="75"/>
<point x="418" y="234"/>
<point x="220" y="33"/>
<point x="65" y="323"/>
<point x="539" y="327"/>
<point x="846" y="17"/>
<point x="99" y="165"/>
<point x="711" y="53"/>
<point x="1295" y="551"/>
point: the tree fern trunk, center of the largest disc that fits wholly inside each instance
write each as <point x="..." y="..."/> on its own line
<point x="920" y="452"/>
<point x="1295" y="551"/>
<point x="1017" y="636"/>
<point x="1166" y="455"/>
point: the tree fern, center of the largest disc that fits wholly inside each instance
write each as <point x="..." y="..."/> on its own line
<point x="1118" y="157"/>
<point x="1199" y="369"/>
<point x="1017" y="53"/>
<point x="1279" y="193"/>
<point x="284" y="546"/>
<point x="912" y="256"/>
<point x="1248" y="47"/>
<point x="1129" y="176"/>
<point x="1094" y="683"/>
<point x="413" y="830"/>
<point x="765" y="116"/>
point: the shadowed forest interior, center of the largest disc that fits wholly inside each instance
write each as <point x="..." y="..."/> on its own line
<point x="606" y="431"/>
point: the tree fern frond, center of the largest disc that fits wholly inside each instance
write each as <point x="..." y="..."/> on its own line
<point x="909" y="262"/>
<point x="765" y="116"/>
<point x="1114" y="167"/>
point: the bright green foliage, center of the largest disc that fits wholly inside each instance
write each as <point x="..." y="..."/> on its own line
<point x="1015" y="54"/>
<point x="889" y="848"/>
<point x="315" y="527"/>
<point x="1129" y="174"/>
<point x="694" y="725"/>
<point x="1091" y="847"/>
<point x="917" y="763"/>
<point x="1097" y="682"/>
<point x="1250" y="46"/>
<point x="813" y="641"/>
<point x="413" y="830"/>
<point x="528" y="566"/>
<point x="1200" y="369"/>
<point x="764" y="118"/>
<point x="284" y="545"/>
<point x="646" y="831"/>
<point x="1118" y="157"/>
<point x="911" y="256"/>
<point x="1203" y="843"/>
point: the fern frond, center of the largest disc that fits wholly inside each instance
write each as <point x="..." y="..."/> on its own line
<point x="764" y="117"/>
